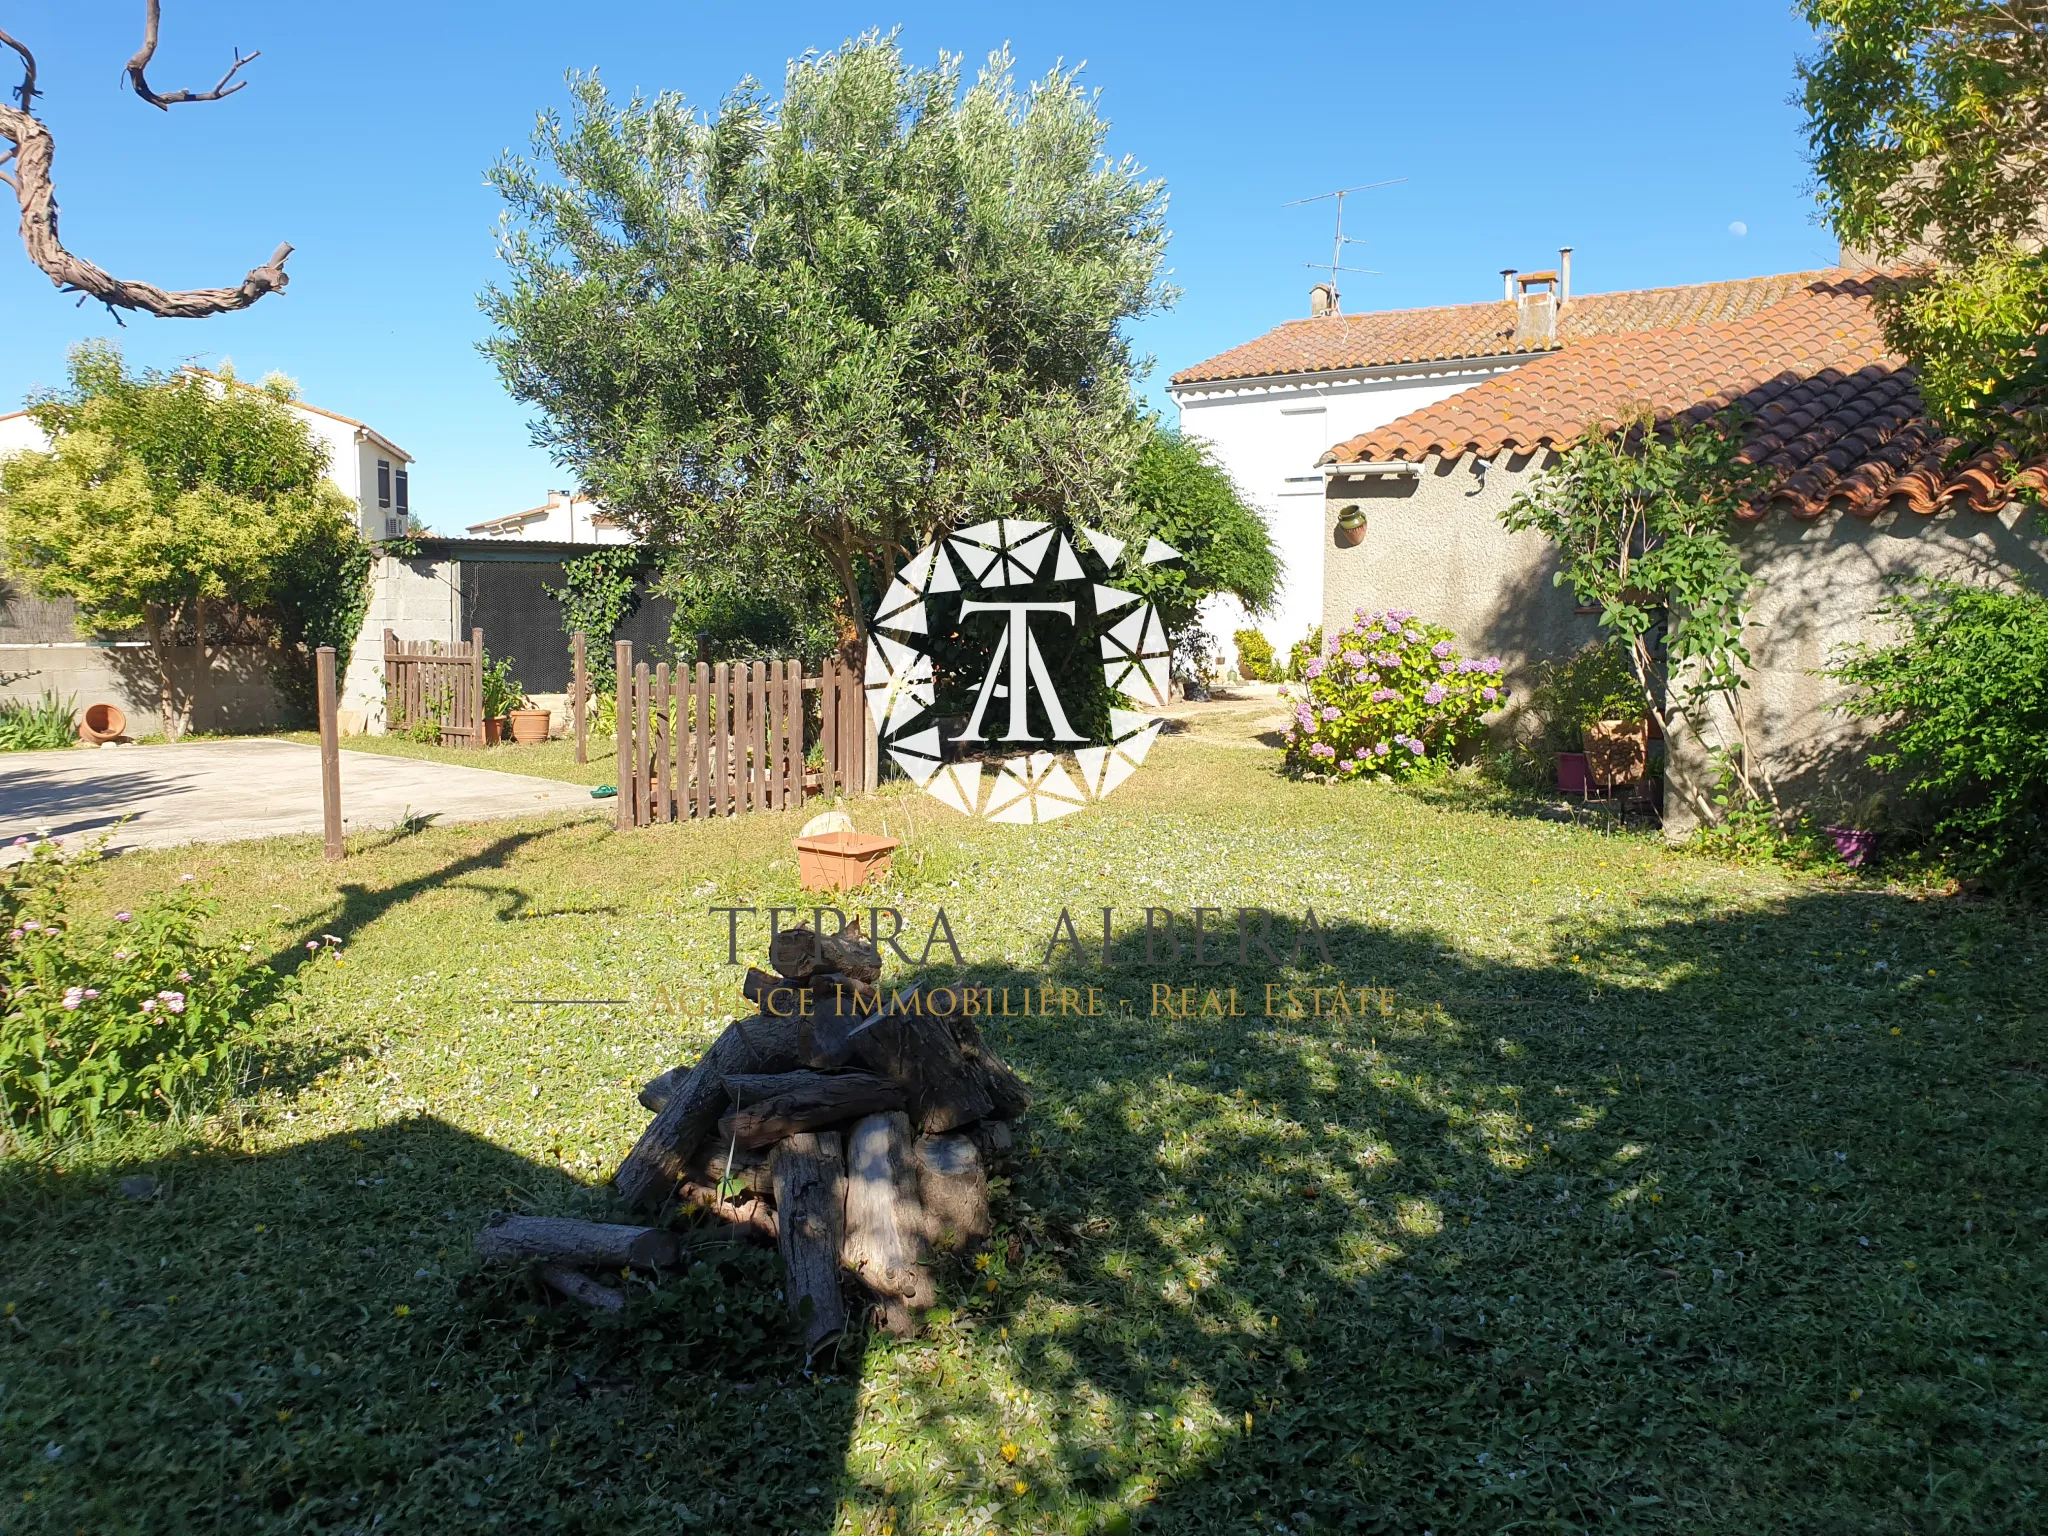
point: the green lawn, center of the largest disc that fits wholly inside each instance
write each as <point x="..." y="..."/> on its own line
<point x="1667" y="1196"/>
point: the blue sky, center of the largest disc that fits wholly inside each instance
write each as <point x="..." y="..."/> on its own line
<point x="1638" y="134"/>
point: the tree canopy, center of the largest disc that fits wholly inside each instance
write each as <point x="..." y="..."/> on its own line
<point x="190" y="508"/>
<point x="1928" y="124"/>
<point x="824" y="329"/>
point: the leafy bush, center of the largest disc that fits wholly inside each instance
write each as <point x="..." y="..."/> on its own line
<point x="1305" y="650"/>
<point x="1392" y="691"/>
<point x="502" y="693"/>
<point x="49" y="722"/>
<point x="598" y="593"/>
<point x="1964" y="698"/>
<point x="140" y="1017"/>
<point x="1599" y="683"/>
<point x="1254" y="656"/>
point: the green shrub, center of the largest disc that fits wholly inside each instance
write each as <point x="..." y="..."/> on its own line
<point x="502" y="693"/>
<point x="1597" y="684"/>
<point x="1964" y="700"/>
<point x="1392" y="698"/>
<point x="141" y="1017"/>
<point x="1302" y="652"/>
<point x="35" y="727"/>
<point x="1254" y="656"/>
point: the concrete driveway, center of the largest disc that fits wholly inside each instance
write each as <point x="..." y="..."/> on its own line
<point x="226" y="791"/>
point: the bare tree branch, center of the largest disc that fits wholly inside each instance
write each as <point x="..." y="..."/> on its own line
<point x="33" y="154"/>
<point x="152" y="15"/>
<point x="26" y="91"/>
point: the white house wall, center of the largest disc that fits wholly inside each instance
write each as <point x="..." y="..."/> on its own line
<point x="1268" y="433"/>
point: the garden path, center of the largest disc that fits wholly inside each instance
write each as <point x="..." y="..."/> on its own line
<point x="228" y="791"/>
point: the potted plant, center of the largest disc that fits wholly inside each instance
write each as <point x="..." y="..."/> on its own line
<point x="1854" y="826"/>
<point x="1601" y="720"/>
<point x="502" y="695"/>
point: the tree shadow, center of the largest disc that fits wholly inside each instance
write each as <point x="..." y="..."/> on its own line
<point x="1668" y="1236"/>
<point x="303" y="1340"/>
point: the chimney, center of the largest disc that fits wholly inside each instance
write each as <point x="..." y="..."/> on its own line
<point x="1322" y="300"/>
<point x="557" y="498"/>
<point x="1507" y="284"/>
<point x="1564" y="276"/>
<point x="1536" y="309"/>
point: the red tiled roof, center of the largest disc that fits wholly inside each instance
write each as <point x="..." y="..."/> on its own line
<point x="1830" y="409"/>
<point x="1483" y="330"/>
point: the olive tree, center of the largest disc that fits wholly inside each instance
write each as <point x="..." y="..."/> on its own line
<point x="810" y="334"/>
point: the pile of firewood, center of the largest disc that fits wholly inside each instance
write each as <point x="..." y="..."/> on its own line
<point x="856" y="1131"/>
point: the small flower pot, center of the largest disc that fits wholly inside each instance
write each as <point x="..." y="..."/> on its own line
<point x="840" y="861"/>
<point x="1350" y="532"/>
<point x="1571" y="773"/>
<point x="494" y="730"/>
<point x="101" y="723"/>
<point x="1854" y="844"/>
<point x="529" y="725"/>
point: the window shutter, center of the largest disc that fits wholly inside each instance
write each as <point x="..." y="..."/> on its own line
<point x="404" y="491"/>
<point x="383" y="482"/>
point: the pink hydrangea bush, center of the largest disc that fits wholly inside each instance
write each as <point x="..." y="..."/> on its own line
<point x="1388" y="695"/>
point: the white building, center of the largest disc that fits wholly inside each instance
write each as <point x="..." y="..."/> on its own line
<point x="569" y="517"/>
<point x="1273" y="406"/>
<point x="369" y="468"/>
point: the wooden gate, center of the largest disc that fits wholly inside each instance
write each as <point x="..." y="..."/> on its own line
<point x="427" y="680"/>
<point x="732" y="737"/>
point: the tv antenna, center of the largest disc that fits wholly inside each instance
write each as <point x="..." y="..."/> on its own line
<point x="1336" y="262"/>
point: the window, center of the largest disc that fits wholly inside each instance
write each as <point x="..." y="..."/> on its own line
<point x="383" y="482"/>
<point x="1301" y="440"/>
<point x="404" y="492"/>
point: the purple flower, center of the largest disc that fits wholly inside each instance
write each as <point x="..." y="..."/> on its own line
<point x="1415" y="745"/>
<point x="184" y="879"/>
<point x="1446" y="668"/>
<point x="1314" y="669"/>
<point x="73" y="996"/>
<point x="175" y="1001"/>
<point x="149" y="1005"/>
<point x="1435" y="694"/>
<point x="1400" y="615"/>
<point x="15" y="934"/>
<point x="1323" y="749"/>
<point x="91" y="993"/>
<point x="1381" y="749"/>
<point x="124" y="917"/>
<point x="1441" y="649"/>
<point x="31" y="926"/>
<point x="1355" y="658"/>
<point x="1489" y="694"/>
<point x="1330" y="712"/>
<point x="312" y="944"/>
<point x="21" y="842"/>
<point x="1360" y="754"/>
<point x="184" y="976"/>
<point x="1492" y="666"/>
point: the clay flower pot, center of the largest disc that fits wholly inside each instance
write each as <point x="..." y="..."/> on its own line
<point x="529" y="725"/>
<point x="839" y="861"/>
<point x="102" y="722"/>
<point x="1617" y="751"/>
<point x="494" y="730"/>
<point x="1350" y="528"/>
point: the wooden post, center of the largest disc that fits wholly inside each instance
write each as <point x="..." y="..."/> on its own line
<point x="662" y="733"/>
<point x="721" y="739"/>
<point x="579" y="697"/>
<point x="643" y="738"/>
<point x="330" y="753"/>
<point x="476" y="689"/>
<point x="622" y="713"/>
<point x="700" y="729"/>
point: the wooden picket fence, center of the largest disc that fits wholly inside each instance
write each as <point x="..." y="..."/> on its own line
<point x="425" y="679"/>
<point x="729" y="738"/>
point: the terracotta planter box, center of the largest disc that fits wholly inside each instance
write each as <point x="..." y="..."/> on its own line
<point x="529" y="725"/>
<point x="494" y="730"/>
<point x="1617" y="752"/>
<point x="840" y="861"/>
<point x="1571" y="773"/>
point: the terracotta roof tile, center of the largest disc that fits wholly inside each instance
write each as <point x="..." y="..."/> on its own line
<point x="1836" y="415"/>
<point x="1483" y="330"/>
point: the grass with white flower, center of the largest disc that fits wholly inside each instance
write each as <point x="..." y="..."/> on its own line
<point x="1635" y="1192"/>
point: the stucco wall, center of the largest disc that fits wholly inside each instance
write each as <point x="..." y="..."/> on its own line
<point x="1268" y="433"/>
<point x="1820" y="585"/>
<point x="1435" y="543"/>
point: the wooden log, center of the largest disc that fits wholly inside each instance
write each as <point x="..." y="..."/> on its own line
<point x="777" y="1105"/>
<point x="749" y="1165"/>
<point x="953" y="1184"/>
<point x="800" y="951"/>
<point x="661" y="1156"/>
<point x="654" y="1093"/>
<point x="579" y="1287"/>
<point x="1010" y="1093"/>
<point x="749" y="1215"/>
<point x="885" y="1216"/>
<point x="509" y="1239"/>
<point x="776" y="996"/>
<point x="918" y="1052"/>
<point x="839" y="1005"/>
<point x="810" y="1204"/>
<point x="997" y="1141"/>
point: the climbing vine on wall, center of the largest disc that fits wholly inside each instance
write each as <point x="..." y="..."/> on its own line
<point x="599" y="592"/>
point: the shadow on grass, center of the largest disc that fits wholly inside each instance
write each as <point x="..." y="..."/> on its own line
<point x="303" y="1341"/>
<point x="1718" y="1225"/>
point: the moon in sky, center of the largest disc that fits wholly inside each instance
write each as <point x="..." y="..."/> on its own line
<point x="1738" y="229"/>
